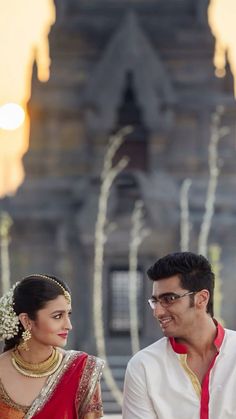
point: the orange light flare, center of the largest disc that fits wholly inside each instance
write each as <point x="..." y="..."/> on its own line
<point x="222" y="21"/>
<point x="24" y="29"/>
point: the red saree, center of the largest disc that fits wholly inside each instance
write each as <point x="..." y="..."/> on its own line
<point x="68" y="393"/>
<point x="71" y="391"/>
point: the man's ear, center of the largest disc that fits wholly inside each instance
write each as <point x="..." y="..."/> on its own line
<point x="25" y="320"/>
<point x="202" y="298"/>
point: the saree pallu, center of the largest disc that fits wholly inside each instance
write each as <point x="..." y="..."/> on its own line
<point x="69" y="393"/>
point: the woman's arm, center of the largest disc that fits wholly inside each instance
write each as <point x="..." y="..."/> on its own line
<point x="95" y="410"/>
<point x="92" y="415"/>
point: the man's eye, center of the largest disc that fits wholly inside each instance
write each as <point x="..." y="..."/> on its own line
<point x="58" y="316"/>
<point x="169" y="299"/>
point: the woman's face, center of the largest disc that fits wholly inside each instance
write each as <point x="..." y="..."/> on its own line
<point x="52" y="323"/>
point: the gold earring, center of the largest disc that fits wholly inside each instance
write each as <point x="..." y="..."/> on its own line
<point x="26" y="335"/>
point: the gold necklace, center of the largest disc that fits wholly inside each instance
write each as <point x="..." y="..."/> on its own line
<point x="42" y="369"/>
<point x="42" y="366"/>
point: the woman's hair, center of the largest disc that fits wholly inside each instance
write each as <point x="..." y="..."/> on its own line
<point x="31" y="295"/>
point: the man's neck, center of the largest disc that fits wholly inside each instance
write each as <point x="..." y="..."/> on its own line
<point x="201" y="340"/>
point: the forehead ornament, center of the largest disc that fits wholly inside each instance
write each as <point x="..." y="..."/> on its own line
<point x="65" y="292"/>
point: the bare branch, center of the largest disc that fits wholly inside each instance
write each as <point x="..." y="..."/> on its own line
<point x="184" y="215"/>
<point x="108" y="175"/>
<point x="138" y="233"/>
<point x="216" y="135"/>
<point x="5" y="224"/>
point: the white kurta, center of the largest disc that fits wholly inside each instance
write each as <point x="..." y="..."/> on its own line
<point x="157" y="386"/>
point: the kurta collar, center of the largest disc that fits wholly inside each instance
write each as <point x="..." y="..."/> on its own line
<point x="180" y="348"/>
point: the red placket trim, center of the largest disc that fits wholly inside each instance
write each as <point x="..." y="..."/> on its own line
<point x="179" y="348"/>
<point x="205" y="395"/>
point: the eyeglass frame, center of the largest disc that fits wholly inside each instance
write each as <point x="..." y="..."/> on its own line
<point x="165" y="305"/>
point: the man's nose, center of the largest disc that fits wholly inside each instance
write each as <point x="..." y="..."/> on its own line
<point x="158" y="311"/>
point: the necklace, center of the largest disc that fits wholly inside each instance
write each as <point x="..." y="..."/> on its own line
<point x="41" y="369"/>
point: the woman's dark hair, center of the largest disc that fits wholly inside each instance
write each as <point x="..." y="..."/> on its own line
<point x="30" y="296"/>
<point x="194" y="271"/>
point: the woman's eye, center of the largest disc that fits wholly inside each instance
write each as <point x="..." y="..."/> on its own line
<point x="58" y="316"/>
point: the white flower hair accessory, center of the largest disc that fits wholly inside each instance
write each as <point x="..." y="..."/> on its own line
<point x="9" y="321"/>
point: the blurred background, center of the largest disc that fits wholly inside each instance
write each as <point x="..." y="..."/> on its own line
<point x="117" y="146"/>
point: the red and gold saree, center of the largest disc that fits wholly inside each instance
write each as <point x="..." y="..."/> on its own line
<point x="70" y="393"/>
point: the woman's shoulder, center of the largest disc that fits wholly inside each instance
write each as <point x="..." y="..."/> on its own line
<point x="5" y="363"/>
<point x="5" y="357"/>
<point x="90" y="358"/>
<point x="95" y="359"/>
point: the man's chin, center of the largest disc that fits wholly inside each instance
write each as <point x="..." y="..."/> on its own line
<point x="167" y="332"/>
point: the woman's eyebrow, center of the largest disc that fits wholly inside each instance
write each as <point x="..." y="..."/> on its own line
<point x="60" y="311"/>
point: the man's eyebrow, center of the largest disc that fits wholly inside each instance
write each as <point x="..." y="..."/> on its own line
<point x="164" y="294"/>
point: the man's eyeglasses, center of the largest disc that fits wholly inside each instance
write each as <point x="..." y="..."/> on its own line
<point x="167" y="300"/>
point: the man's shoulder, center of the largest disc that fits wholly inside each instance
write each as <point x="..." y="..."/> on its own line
<point x="230" y="334"/>
<point x="153" y="351"/>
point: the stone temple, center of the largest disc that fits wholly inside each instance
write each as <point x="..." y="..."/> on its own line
<point x="146" y="64"/>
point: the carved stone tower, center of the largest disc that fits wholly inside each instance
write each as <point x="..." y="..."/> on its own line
<point x="146" y="64"/>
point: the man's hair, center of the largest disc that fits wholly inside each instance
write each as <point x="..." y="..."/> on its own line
<point x="194" y="271"/>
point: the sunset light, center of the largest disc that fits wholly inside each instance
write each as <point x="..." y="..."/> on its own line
<point x="24" y="29"/>
<point x="11" y="116"/>
<point x="222" y="18"/>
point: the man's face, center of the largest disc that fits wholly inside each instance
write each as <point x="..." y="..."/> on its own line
<point x="177" y="318"/>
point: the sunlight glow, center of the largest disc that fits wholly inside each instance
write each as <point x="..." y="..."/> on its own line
<point x="11" y="116"/>
<point x="24" y="28"/>
<point x="222" y="21"/>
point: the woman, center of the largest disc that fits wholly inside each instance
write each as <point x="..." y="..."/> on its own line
<point x="38" y="379"/>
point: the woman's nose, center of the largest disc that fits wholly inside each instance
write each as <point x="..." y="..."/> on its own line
<point x="68" y="324"/>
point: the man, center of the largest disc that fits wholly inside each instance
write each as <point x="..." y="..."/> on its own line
<point x="191" y="372"/>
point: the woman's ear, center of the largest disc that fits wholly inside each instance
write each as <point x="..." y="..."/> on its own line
<point x="202" y="298"/>
<point x="25" y="321"/>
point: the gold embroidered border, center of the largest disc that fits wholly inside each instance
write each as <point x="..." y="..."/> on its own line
<point x="50" y="385"/>
<point x="195" y="381"/>
<point x="95" y="403"/>
<point x="89" y="380"/>
<point x="4" y="396"/>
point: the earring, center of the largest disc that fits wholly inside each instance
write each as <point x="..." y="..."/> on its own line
<point x="26" y="335"/>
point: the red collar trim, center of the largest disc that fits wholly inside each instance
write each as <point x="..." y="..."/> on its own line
<point x="179" y="348"/>
<point x="219" y="336"/>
